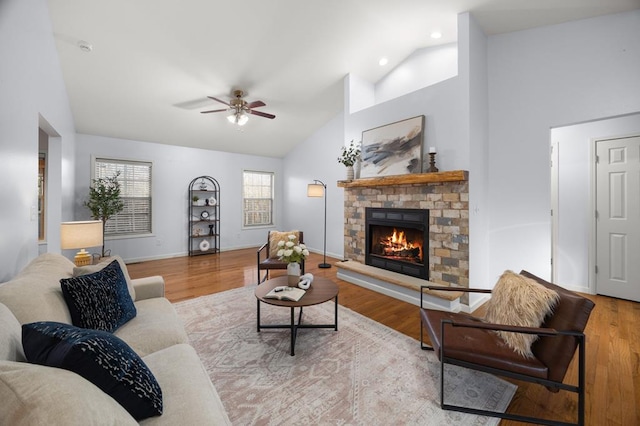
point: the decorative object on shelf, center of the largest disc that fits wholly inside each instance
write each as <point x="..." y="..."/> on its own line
<point x="203" y="214"/>
<point x="432" y="160"/>
<point x="204" y="245"/>
<point x="350" y="173"/>
<point x="393" y="149"/>
<point x="319" y="189"/>
<point x="79" y="235"/>
<point x="291" y="252"/>
<point x="349" y="156"/>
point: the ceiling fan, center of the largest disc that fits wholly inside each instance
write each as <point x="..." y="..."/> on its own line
<point x="239" y="108"/>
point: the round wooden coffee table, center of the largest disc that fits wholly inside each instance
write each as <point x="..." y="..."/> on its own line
<point x="321" y="290"/>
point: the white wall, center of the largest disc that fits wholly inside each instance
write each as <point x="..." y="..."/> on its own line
<point x="424" y="67"/>
<point x="441" y="104"/>
<point x="539" y="79"/>
<point x="173" y="169"/>
<point x="316" y="158"/>
<point x="31" y="87"/>
<point x="575" y="144"/>
<point x="473" y="69"/>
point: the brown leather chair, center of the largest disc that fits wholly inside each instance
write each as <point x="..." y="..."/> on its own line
<point x="461" y="339"/>
<point x="267" y="258"/>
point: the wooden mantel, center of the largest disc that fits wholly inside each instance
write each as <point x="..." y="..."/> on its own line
<point x="450" y="176"/>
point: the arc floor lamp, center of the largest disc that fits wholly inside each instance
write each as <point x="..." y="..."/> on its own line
<point x="319" y="189"/>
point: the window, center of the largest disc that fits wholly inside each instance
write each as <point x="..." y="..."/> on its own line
<point x="135" y="192"/>
<point x="257" y="198"/>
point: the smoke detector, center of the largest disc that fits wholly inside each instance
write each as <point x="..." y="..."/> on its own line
<point x="85" y="46"/>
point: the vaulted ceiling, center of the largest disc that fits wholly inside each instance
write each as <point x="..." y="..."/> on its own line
<point x="153" y="63"/>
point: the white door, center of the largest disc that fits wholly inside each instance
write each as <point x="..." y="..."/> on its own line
<point x="618" y="218"/>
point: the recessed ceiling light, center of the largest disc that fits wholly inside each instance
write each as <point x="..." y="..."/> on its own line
<point x="436" y="34"/>
<point x="383" y="62"/>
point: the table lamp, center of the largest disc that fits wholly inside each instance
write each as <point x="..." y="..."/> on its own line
<point x="79" y="235"/>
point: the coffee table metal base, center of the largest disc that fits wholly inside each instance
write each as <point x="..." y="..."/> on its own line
<point x="293" y="326"/>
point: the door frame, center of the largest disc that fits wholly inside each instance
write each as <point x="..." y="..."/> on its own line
<point x="592" y="204"/>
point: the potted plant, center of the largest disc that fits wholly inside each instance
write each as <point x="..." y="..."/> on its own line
<point x="195" y="199"/>
<point x="349" y="155"/>
<point x="104" y="200"/>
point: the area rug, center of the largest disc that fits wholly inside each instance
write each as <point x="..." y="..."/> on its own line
<point x="363" y="374"/>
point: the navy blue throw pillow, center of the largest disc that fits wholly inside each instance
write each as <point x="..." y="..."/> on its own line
<point x="99" y="357"/>
<point x="101" y="300"/>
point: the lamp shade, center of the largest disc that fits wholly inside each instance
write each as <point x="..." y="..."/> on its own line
<point x="82" y="234"/>
<point x="315" y="190"/>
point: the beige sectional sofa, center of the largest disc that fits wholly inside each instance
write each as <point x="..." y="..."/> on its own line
<point x="39" y="395"/>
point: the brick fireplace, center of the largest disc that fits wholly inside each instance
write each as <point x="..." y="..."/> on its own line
<point x="445" y="195"/>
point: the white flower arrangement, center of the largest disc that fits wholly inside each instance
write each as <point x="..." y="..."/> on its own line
<point x="291" y="252"/>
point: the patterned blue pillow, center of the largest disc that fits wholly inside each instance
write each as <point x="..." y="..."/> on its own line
<point x="101" y="300"/>
<point x="99" y="357"/>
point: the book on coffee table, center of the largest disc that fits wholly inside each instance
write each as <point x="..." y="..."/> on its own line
<point x="285" y="293"/>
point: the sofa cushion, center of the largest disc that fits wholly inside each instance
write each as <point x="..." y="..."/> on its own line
<point x="10" y="340"/>
<point x="99" y="300"/>
<point x="38" y="395"/>
<point x="35" y="294"/>
<point x="189" y="396"/>
<point x="518" y="300"/>
<point x="155" y="327"/>
<point x="99" y="357"/>
<point x="104" y="262"/>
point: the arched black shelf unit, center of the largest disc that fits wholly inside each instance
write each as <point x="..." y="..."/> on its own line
<point x="204" y="216"/>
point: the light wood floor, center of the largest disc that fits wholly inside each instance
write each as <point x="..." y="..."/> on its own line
<point x="613" y="333"/>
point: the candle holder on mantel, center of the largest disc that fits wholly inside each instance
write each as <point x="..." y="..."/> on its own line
<point x="432" y="163"/>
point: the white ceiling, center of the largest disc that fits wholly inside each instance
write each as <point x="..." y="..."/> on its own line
<point x="154" y="61"/>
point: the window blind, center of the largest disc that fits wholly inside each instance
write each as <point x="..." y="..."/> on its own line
<point x="257" y="205"/>
<point x="135" y="193"/>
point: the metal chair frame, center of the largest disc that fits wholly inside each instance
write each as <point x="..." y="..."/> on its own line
<point x="579" y="389"/>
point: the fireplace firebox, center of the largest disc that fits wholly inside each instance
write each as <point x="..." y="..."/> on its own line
<point x="398" y="240"/>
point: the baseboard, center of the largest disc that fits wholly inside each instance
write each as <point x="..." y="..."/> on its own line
<point x="475" y="305"/>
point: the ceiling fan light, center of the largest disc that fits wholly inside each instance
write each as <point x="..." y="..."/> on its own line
<point x="239" y="118"/>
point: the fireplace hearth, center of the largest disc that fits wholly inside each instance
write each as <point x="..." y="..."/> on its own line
<point x="398" y="240"/>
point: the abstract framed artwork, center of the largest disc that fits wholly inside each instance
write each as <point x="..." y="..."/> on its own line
<point x="393" y="149"/>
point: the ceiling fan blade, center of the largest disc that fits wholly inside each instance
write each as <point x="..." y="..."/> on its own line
<point x="256" y="104"/>
<point x="261" y="114"/>
<point x="218" y="100"/>
<point x="214" y="110"/>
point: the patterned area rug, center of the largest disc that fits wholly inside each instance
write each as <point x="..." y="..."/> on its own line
<point x="363" y="374"/>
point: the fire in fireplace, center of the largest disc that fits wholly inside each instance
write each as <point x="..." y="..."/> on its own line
<point x="394" y="244"/>
<point x="397" y="240"/>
